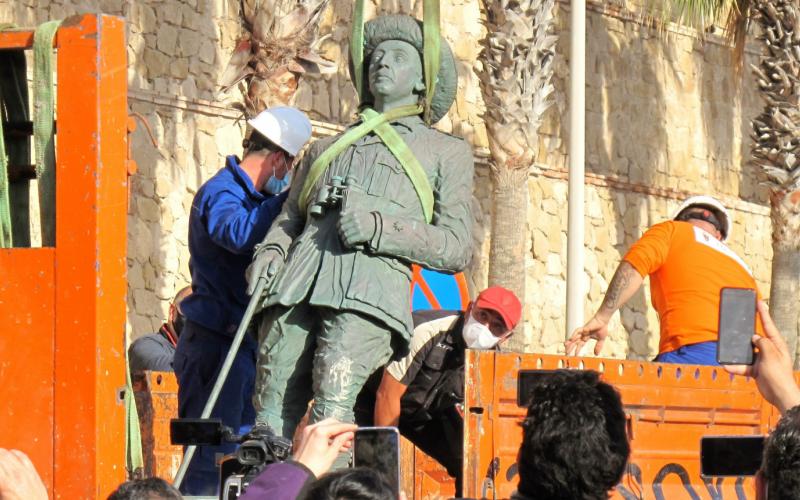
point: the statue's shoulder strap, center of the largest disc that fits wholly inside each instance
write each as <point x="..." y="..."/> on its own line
<point x="411" y="165"/>
<point x="322" y="161"/>
<point x="378" y="122"/>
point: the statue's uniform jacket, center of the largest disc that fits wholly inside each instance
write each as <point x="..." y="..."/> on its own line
<point x="375" y="280"/>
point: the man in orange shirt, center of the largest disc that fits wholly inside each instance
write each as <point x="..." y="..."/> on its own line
<point x="688" y="265"/>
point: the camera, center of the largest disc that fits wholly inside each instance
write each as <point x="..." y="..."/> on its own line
<point x="257" y="449"/>
<point x="329" y="195"/>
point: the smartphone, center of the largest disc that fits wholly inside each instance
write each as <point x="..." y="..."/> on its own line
<point x="379" y="449"/>
<point x="737" y="325"/>
<point x="731" y="455"/>
<point x="526" y="381"/>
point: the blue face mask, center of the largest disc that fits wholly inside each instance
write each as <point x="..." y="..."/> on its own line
<point x="276" y="186"/>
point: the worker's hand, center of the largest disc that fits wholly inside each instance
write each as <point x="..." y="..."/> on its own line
<point x="772" y="369"/>
<point x="18" y="477"/>
<point x="596" y="328"/>
<point x="321" y="444"/>
<point x="266" y="263"/>
<point x="356" y="227"/>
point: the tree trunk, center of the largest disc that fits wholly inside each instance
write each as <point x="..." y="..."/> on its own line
<point x="784" y="294"/>
<point x="776" y="150"/>
<point x="509" y="236"/>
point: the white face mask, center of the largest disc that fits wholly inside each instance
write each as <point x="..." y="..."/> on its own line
<point x="477" y="335"/>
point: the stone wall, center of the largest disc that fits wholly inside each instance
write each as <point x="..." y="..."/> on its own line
<point x="666" y="117"/>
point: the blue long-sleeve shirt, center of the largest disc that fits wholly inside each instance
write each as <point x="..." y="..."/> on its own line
<point x="228" y="218"/>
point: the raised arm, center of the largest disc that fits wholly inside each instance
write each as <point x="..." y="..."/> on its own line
<point x="624" y="284"/>
<point x="236" y="228"/>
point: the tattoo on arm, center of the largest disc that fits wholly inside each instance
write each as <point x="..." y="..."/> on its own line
<point x="620" y="281"/>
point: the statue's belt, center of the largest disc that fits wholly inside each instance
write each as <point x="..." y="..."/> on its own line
<point x="372" y="121"/>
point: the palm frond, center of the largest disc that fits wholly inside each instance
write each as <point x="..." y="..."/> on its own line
<point x="279" y="46"/>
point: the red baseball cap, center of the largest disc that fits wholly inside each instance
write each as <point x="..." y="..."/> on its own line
<point x="503" y="302"/>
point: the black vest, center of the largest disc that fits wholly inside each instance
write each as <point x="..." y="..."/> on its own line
<point x="439" y="385"/>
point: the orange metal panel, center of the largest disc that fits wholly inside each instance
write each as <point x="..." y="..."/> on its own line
<point x="26" y="355"/>
<point x="670" y="407"/>
<point x="431" y="479"/>
<point x="157" y="403"/>
<point x="13" y="39"/>
<point x="479" y="450"/>
<point x="90" y="256"/>
<point x="406" y="465"/>
<point x="20" y="39"/>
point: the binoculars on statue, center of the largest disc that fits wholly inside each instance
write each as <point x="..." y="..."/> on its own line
<point x="329" y="196"/>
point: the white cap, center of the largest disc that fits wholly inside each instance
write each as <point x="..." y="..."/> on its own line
<point x="288" y="128"/>
<point x="712" y="204"/>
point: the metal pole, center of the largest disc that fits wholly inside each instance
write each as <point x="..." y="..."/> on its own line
<point x="577" y="127"/>
<point x="223" y="373"/>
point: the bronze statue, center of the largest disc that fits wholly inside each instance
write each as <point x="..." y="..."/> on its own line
<point x="388" y="192"/>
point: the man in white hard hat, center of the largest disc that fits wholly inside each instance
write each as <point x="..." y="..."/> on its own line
<point x="231" y="212"/>
<point x="688" y="264"/>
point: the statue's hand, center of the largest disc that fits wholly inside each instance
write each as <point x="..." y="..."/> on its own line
<point x="266" y="263"/>
<point x="356" y="227"/>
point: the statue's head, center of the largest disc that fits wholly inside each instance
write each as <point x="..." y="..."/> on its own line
<point x="394" y="72"/>
<point x="393" y="52"/>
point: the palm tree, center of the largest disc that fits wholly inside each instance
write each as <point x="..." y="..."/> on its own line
<point x="776" y="135"/>
<point x="278" y="47"/>
<point x="515" y="69"/>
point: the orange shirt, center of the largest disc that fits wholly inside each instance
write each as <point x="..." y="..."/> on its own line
<point x="688" y="268"/>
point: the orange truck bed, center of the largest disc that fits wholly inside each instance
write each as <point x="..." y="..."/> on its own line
<point x="669" y="407"/>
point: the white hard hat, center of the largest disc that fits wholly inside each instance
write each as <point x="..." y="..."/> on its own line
<point x="288" y="128"/>
<point x="712" y="204"/>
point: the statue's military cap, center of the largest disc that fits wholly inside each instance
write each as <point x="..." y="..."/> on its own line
<point x="408" y="29"/>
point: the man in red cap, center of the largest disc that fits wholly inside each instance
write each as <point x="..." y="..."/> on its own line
<point x="423" y="393"/>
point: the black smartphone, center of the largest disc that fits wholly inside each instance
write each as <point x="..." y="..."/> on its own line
<point x="731" y="455"/>
<point x="526" y="380"/>
<point x="379" y="449"/>
<point x="196" y="431"/>
<point x="737" y="325"/>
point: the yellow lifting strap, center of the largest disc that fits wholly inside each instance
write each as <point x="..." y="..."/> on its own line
<point x="357" y="48"/>
<point x="431" y="50"/>
<point x="43" y="127"/>
<point x="6" y="236"/>
<point x="411" y="165"/>
<point x="371" y="121"/>
<point x="6" y="240"/>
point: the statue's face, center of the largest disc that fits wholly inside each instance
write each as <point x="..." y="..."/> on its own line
<point x="395" y="70"/>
